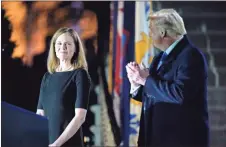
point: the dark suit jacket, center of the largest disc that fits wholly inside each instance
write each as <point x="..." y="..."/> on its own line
<point x="174" y="100"/>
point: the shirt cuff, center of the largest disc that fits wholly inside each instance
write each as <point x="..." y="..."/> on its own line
<point x="134" y="89"/>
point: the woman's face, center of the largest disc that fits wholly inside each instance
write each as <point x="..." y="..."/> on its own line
<point x="65" y="47"/>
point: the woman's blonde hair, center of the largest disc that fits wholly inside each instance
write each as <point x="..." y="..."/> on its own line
<point x="78" y="60"/>
<point x="170" y="21"/>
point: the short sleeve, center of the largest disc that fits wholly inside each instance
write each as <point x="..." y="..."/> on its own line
<point x="40" y="106"/>
<point x="82" y="80"/>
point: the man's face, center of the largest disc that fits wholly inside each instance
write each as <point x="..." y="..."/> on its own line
<point x="155" y="35"/>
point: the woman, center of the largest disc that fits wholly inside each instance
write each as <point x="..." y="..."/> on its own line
<point x="65" y="88"/>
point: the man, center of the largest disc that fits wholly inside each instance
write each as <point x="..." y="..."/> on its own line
<point x="173" y="90"/>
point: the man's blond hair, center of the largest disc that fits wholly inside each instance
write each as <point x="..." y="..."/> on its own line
<point x="170" y="21"/>
<point x="78" y="60"/>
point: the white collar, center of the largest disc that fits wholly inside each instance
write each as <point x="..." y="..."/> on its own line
<point x="172" y="46"/>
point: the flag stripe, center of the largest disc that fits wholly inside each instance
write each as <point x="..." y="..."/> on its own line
<point x="129" y="33"/>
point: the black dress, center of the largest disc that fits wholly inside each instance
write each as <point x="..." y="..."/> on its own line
<point x="60" y="94"/>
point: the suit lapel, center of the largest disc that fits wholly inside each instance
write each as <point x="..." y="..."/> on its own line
<point x="165" y="65"/>
<point x="172" y="56"/>
<point x="154" y="64"/>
